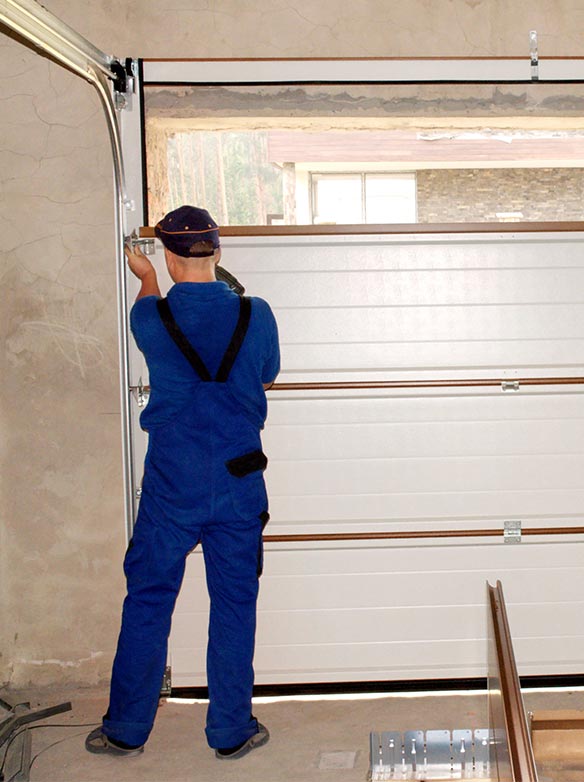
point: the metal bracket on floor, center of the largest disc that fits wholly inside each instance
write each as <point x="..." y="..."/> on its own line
<point x="430" y="754"/>
<point x="16" y="764"/>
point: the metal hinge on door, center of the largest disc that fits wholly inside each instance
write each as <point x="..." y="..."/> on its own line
<point x="141" y="393"/>
<point x="512" y="531"/>
<point x="534" y="55"/>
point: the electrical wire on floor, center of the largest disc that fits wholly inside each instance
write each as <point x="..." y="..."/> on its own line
<point x="54" y="744"/>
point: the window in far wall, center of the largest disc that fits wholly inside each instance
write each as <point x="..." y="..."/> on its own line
<point x="363" y="197"/>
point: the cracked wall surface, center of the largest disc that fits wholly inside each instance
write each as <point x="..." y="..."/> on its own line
<point x="61" y="523"/>
<point x="61" y="513"/>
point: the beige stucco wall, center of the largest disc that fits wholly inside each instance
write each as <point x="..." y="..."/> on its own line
<point x="61" y="525"/>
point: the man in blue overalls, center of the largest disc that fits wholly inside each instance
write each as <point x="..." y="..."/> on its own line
<point x="211" y="354"/>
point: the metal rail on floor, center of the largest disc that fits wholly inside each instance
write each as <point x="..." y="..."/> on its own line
<point x="511" y="753"/>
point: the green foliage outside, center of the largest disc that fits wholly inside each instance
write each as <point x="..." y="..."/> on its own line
<point x="227" y="173"/>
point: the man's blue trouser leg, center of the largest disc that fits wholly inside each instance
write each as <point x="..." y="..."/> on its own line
<point x="232" y="553"/>
<point x="154" y="567"/>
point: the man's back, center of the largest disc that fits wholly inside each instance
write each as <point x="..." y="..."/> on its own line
<point x="196" y="427"/>
<point x="207" y="313"/>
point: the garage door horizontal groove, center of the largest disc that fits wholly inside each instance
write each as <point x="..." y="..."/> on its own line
<point x="417" y="534"/>
<point x="447" y="383"/>
<point x="397" y="384"/>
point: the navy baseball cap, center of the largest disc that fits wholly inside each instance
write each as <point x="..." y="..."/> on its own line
<point x="185" y="227"/>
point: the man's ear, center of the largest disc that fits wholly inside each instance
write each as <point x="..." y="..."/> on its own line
<point x="168" y="257"/>
<point x="217" y="256"/>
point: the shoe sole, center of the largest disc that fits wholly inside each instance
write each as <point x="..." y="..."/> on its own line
<point x="98" y="744"/>
<point x="257" y="740"/>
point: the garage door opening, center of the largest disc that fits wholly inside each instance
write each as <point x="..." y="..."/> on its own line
<point x="367" y="154"/>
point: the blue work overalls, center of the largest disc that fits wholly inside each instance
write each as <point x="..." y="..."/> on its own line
<point x="203" y="482"/>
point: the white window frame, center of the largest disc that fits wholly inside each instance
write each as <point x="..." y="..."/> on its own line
<point x="316" y="175"/>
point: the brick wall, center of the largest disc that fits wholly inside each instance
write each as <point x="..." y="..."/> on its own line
<point x="478" y="195"/>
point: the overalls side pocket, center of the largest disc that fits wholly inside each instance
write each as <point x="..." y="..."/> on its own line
<point x="247" y="487"/>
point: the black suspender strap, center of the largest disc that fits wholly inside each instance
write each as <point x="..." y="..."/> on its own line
<point x="189" y="351"/>
<point x="181" y="341"/>
<point x="236" y="340"/>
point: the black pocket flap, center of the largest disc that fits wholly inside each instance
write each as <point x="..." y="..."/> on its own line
<point x="249" y="462"/>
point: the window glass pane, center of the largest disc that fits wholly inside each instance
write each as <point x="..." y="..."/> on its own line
<point x="337" y="199"/>
<point x="390" y="199"/>
<point x="229" y="172"/>
<point x="460" y="153"/>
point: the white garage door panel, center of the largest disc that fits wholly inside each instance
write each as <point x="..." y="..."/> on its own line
<point x="420" y="304"/>
<point x="319" y="585"/>
<point x="503" y="409"/>
<point x="340" y="614"/>
<point x="357" y="662"/>
<point x="268" y="256"/>
<point x="437" y="560"/>
<point x="452" y="658"/>
<point x="455" y="589"/>
<point x="474" y="323"/>
<point x="358" y="514"/>
<point x="386" y="359"/>
<point x="370" y="441"/>
<point x="342" y="626"/>
<point x="520" y="457"/>
<point x="406" y="288"/>
<point x="559" y="620"/>
<point x="382" y="307"/>
<point x="464" y="474"/>
<point x="545" y="655"/>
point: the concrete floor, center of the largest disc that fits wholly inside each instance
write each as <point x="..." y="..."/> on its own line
<point x="311" y="740"/>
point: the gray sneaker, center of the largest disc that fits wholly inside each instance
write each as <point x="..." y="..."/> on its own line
<point x="257" y="740"/>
